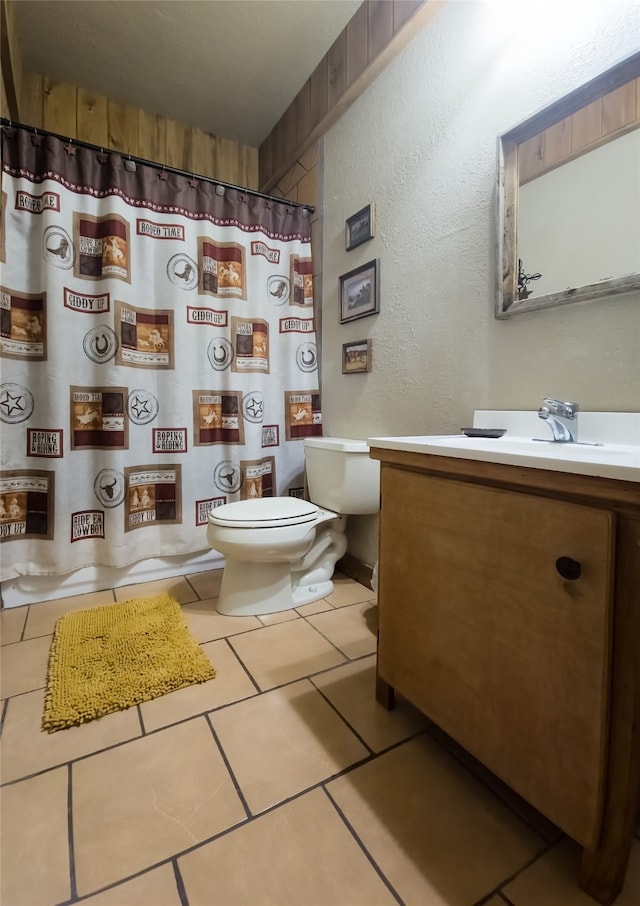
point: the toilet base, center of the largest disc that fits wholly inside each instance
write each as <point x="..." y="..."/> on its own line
<point x="306" y="594"/>
<point x="252" y="589"/>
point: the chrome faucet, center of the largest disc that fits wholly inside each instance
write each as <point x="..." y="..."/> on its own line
<point x="562" y="418"/>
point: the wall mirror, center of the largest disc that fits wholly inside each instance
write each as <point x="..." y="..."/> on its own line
<point x="569" y="198"/>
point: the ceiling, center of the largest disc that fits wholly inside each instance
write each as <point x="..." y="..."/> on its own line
<point x="229" y="67"/>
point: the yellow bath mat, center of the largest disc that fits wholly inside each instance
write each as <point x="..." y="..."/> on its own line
<point x="109" y="658"/>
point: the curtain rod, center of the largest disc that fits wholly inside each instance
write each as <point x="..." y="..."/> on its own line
<point x="151" y="163"/>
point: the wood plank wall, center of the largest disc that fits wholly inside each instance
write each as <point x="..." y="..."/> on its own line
<point x="77" y="113"/>
<point x="609" y="116"/>
<point x="374" y="36"/>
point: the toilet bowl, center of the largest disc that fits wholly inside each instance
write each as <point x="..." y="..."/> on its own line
<point x="280" y="552"/>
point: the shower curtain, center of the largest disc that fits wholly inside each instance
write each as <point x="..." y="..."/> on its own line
<point x="158" y="355"/>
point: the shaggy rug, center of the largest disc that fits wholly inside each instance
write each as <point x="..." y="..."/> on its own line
<point x="109" y="658"/>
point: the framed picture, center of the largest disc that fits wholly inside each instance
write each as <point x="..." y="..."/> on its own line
<point x="360" y="292"/>
<point x="356" y="356"/>
<point x="359" y="228"/>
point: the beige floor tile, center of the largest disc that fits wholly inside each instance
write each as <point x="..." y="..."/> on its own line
<point x="348" y="628"/>
<point x="24" y="666"/>
<point x="154" y="888"/>
<point x="351" y="689"/>
<point x="300" y="853"/>
<point x="280" y="743"/>
<point x="283" y="616"/>
<point x="283" y="653"/>
<point x="35" y="841"/>
<point x="42" y="617"/>
<point x="346" y="591"/>
<point x="207" y="584"/>
<point x="231" y="684"/>
<point x="206" y="624"/>
<point x="12" y="622"/>
<point x="315" y="607"/>
<point x="149" y="799"/>
<point x="27" y="749"/>
<point x="176" y="586"/>
<point x="553" y="880"/>
<point x="435" y="832"/>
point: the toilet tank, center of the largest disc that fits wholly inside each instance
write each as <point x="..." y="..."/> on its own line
<point x="341" y="476"/>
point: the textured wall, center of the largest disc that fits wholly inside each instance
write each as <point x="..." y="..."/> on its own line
<point x="421" y="144"/>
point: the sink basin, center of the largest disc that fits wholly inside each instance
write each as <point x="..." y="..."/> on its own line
<point x="619" y="460"/>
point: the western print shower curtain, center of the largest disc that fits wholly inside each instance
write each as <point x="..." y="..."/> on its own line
<point x="158" y="355"/>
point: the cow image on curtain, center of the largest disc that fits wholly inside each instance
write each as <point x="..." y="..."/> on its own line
<point x="158" y="355"/>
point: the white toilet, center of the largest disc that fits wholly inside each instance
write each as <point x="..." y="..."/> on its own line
<point x="280" y="552"/>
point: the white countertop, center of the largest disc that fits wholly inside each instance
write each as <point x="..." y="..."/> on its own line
<point x="617" y="458"/>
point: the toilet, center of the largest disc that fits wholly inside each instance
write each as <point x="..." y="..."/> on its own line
<point x="280" y="552"/>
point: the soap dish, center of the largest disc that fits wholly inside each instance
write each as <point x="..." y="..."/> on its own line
<point x="484" y="432"/>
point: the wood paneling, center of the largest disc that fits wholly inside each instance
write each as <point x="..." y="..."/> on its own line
<point x="303" y="113"/>
<point x="203" y="152"/>
<point x="402" y="12"/>
<point x="319" y="102"/>
<point x="375" y="35"/>
<point x="598" y="122"/>
<point x="98" y="120"/>
<point x="289" y="131"/>
<point x="32" y="100"/>
<point x="152" y="136"/>
<point x="336" y="75"/>
<point x="178" y="146"/>
<point x="93" y="124"/>
<point x="123" y="128"/>
<point x="380" y="13"/>
<point x="60" y="108"/>
<point x="586" y="127"/>
<point x="11" y="63"/>
<point x="619" y="107"/>
<point x="357" y="33"/>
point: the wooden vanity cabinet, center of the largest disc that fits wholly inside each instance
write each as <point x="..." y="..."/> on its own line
<point x="507" y="616"/>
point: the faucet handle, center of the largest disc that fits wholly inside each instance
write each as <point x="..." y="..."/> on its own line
<point x="564" y="410"/>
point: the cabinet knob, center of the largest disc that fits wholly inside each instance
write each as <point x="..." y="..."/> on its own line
<point x="568" y="568"/>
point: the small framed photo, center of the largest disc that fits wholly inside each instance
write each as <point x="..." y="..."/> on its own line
<point x="360" y="292"/>
<point x="356" y="357"/>
<point x="359" y="228"/>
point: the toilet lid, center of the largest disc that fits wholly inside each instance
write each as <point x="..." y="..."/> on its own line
<point x="264" y="512"/>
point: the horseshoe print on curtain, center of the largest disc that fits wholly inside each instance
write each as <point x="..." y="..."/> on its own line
<point x="158" y="356"/>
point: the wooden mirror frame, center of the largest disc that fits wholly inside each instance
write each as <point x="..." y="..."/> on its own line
<point x="507" y="302"/>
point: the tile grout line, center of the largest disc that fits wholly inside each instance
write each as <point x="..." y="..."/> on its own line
<point x="244" y="667"/>
<point x="327" y="639"/>
<point x="343" y="718"/>
<point x="498" y="889"/>
<point x="234" y="779"/>
<point x="147" y="733"/>
<point x="374" y="755"/>
<point x="26" y="620"/>
<point x="182" y="892"/>
<point x="5" y="705"/>
<point x="361" y="845"/>
<point x="72" y="856"/>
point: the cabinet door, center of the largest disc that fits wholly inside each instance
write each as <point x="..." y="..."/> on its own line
<point x="481" y="632"/>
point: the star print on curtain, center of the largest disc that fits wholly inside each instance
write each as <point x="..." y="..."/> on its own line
<point x="158" y="356"/>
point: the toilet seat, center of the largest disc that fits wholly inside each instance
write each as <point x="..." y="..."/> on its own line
<point x="264" y="512"/>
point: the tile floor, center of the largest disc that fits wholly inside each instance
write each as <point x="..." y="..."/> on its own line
<point x="279" y="783"/>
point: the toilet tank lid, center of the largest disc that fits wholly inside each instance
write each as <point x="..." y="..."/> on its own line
<point x="346" y="444"/>
<point x="264" y="511"/>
